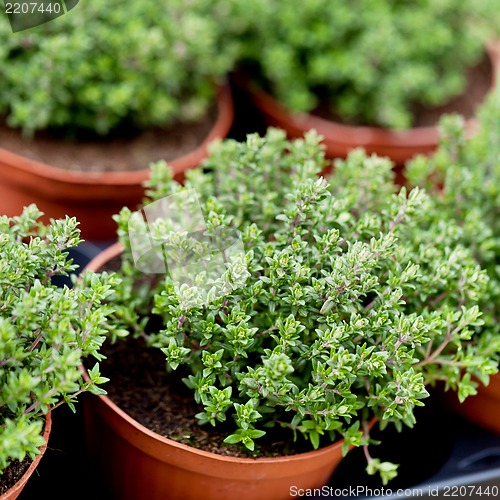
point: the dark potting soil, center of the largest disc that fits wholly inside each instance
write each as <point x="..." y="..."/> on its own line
<point x="125" y="150"/>
<point x="140" y="385"/>
<point x="479" y="80"/>
<point x="13" y="473"/>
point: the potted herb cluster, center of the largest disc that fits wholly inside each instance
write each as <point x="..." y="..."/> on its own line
<point x="345" y="300"/>
<point x="464" y="177"/>
<point x="376" y="75"/>
<point x="45" y="332"/>
<point x="88" y="100"/>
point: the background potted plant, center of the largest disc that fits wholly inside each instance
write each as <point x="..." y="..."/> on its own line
<point x="464" y="177"/>
<point x="375" y="75"/>
<point x="90" y="98"/>
<point x="45" y="332"/>
<point x="342" y="303"/>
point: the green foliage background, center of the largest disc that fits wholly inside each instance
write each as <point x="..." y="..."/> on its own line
<point x="371" y="61"/>
<point x="111" y="63"/>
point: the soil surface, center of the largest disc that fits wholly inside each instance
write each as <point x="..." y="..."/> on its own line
<point x="141" y="386"/>
<point x="13" y="473"/>
<point x="125" y="151"/>
<point x="479" y="79"/>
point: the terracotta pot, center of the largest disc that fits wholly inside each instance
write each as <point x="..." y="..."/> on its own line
<point x="483" y="408"/>
<point x="15" y="491"/>
<point x="339" y="139"/>
<point x="135" y="462"/>
<point x="91" y="197"/>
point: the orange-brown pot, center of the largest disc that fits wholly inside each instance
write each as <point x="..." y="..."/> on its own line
<point x="15" y="491"/>
<point x="483" y="408"/>
<point x="136" y="463"/>
<point x="339" y="139"/>
<point x="91" y="197"/>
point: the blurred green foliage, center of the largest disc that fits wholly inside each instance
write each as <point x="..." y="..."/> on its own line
<point x="109" y="63"/>
<point x="371" y="61"/>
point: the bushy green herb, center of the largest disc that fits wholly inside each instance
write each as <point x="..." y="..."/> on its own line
<point x="464" y="178"/>
<point x="45" y="331"/>
<point x="356" y="297"/>
<point x="369" y="61"/>
<point x="114" y="63"/>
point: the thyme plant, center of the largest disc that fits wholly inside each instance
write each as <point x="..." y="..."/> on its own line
<point x="367" y="62"/>
<point x="45" y="331"/>
<point x="464" y="178"/>
<point x="355" y="297"/>
<point x="114" y="64"/>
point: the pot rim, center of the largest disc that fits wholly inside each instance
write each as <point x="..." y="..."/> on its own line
<point x="14" y="491"/>
<point x="366" y="135"/>
<point x="492" y="390"/>
<point x="39" y="169"/>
